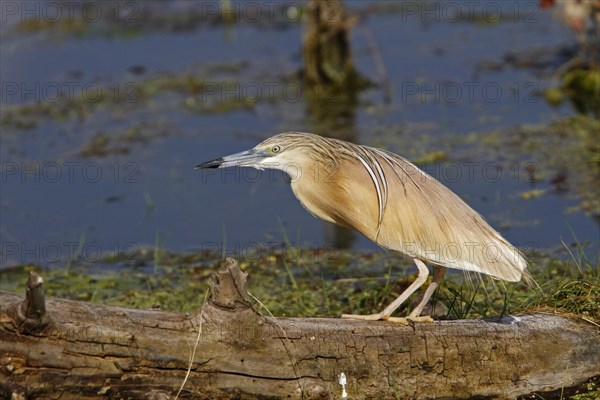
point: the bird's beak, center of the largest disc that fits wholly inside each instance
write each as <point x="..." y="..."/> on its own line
<point x="245" y="158"/>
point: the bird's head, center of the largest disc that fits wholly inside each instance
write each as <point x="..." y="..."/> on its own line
<point x="286" y="151"/>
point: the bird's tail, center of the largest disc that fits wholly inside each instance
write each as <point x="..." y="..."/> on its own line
<point x="505" y="261"/>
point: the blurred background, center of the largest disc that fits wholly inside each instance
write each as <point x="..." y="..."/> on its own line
<point x="107" y="106"/>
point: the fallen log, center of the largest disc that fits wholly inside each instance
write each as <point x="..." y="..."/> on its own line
<point x="53" y="348"/>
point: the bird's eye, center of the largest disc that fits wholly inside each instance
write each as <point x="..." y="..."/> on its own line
<point x="275" y="149"/>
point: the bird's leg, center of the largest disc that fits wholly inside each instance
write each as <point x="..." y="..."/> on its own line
<point x="389" y="310"/>
<point x="438" y="275"/>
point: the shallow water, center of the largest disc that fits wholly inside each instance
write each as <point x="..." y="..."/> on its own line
<point x="54" y="198"/>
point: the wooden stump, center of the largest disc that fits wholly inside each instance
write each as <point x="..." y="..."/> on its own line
<point x="75" y="350"/>
<point x="326" y="44"/>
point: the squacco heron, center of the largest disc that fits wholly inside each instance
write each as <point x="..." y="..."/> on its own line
<point x="390" y="201"/>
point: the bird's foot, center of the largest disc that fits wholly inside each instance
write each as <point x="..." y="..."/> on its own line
<point x="382" y="317"/>
<point x="409" y="319"/>
<point x="422" y="318"/>
<point x="370" y="317"/>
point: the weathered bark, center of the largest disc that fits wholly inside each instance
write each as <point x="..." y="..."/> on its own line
<point x="78" y="350"/>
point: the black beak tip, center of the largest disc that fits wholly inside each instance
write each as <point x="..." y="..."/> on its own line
<point x="210" y="164"/>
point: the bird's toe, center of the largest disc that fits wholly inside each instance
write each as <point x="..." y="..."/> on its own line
<point x="423" y="318"/>
<point x="370" y="317"/>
